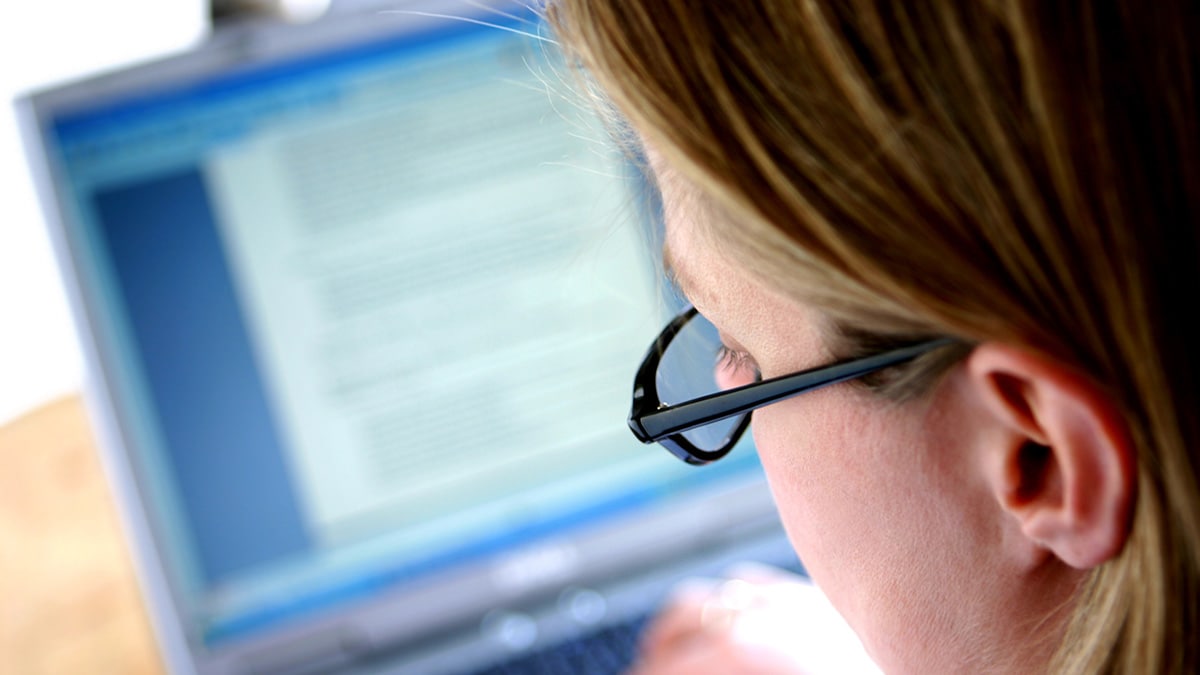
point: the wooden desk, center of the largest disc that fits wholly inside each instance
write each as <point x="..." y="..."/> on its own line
<point x="68" y="599"/>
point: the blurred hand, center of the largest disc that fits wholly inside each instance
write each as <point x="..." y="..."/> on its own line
<point x="761" y="621"/>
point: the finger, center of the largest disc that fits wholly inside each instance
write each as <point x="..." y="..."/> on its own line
<point x="700" y="610"/>
<point x="717" y="656"/>
<point x="693" y="660"/>
<point x="776" y="586"/>
<point x="679" y="620"/>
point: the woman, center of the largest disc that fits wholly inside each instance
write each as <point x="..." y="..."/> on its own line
<point x="843" y="179"/>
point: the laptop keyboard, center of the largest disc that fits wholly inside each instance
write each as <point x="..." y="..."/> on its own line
<point x="608" y="651"/>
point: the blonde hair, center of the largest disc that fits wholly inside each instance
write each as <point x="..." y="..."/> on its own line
<point x="1017" y="171"/>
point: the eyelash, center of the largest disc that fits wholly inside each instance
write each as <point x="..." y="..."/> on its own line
<point x="729" y="358"/>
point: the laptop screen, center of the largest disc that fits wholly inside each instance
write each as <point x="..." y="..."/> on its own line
<point x="366" y="312"/>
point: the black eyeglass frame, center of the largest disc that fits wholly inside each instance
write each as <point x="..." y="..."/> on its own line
<point x="653" y="421"/>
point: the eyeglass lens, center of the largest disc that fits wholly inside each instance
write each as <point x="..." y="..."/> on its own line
<point x="691" y="367"/>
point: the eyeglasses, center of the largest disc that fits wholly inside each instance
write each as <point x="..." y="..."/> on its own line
<point x="678" y="400"/>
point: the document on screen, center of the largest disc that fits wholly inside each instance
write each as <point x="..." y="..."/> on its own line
<point x="447" y="289"/>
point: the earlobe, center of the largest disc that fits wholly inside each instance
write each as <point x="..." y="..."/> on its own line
<point x="1065" y="468"/>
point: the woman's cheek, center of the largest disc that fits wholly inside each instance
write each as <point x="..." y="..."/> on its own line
<point x="783" y="460"/>
<point x="800" y="456"/>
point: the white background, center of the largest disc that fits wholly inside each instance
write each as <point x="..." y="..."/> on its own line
<point x="44" y="42"/>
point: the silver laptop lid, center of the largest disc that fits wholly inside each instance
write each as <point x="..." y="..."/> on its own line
<point x="362" y="301"/>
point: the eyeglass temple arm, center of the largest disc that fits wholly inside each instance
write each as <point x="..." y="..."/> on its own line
<point x="720" y="405"/>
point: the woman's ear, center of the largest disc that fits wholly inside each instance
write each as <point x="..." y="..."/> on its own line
<point x="1066" y="468"/>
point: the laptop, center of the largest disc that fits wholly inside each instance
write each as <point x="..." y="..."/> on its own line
<point x="362" y="300"/>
